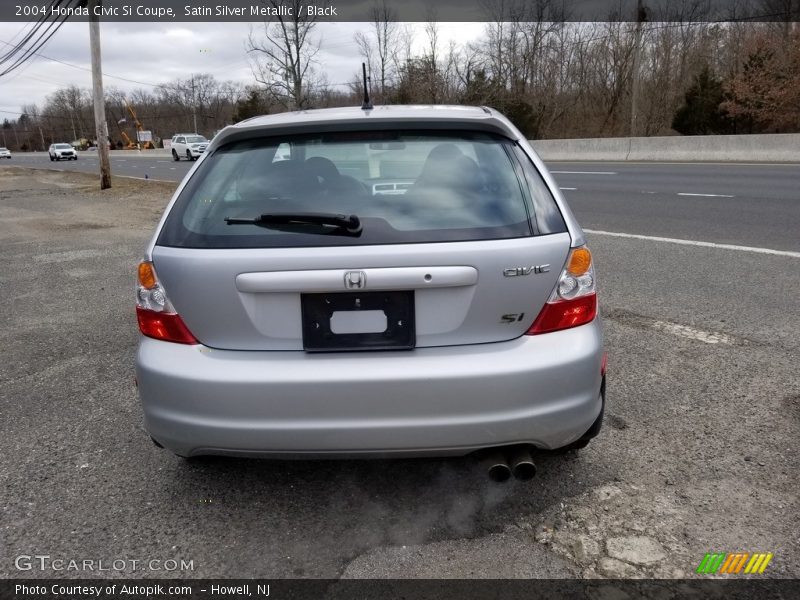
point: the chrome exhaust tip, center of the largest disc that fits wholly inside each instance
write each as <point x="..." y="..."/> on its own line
<point x="521" y="464"/>
<point x="496" y="467"/>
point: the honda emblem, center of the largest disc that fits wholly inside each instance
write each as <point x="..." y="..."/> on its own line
<point x="355" y="280"/>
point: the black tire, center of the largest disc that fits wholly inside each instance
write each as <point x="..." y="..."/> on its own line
<point x="189" y="155"/>
<point x="175" y="156"/>
<point x="52" y="159"/>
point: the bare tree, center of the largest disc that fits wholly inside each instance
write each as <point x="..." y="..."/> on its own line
<point x="767" y="90"/>
<point x="283" y="54"/>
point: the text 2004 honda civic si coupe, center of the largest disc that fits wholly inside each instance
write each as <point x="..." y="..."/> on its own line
<point x="404" y="280"/>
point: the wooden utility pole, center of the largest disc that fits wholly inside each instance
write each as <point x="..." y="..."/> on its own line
<point x="101" y="127"/>
<point x="637" y="49"/>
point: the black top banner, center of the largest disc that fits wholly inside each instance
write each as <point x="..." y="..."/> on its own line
<point x="166" y="11"/>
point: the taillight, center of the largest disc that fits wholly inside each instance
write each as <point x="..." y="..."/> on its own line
<point x="573" y="301"/>
<point x="154" y="312"/>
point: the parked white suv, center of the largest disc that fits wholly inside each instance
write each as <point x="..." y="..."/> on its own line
<point x="190" y="145"/>
<point x="59" y="151"/>
<point x="5" y="153"/>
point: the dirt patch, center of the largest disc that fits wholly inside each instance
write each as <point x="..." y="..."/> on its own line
<point x="49" y="204"/>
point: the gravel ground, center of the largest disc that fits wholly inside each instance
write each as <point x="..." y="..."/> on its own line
<point x="698" y="452"/>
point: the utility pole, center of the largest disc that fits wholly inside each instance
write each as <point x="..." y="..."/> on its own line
<point x="641" y="16"/>
<point x="194" y="107"/>
<point x="72" y="121"/>
<point x="101" y="127"/>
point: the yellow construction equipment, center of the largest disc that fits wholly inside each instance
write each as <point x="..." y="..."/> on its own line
<point x="130" y="144"/>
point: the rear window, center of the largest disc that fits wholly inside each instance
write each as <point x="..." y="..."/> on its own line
<point x="404" y="187"/>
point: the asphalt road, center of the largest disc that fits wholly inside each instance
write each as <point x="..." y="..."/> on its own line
<point x="746" y="204"/>
<point x="698" y="452"/>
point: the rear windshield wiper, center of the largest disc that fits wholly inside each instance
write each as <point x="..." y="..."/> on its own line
<point x="351" y="224"/>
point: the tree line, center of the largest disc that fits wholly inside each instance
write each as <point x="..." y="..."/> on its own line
<point x="665" y="75"/>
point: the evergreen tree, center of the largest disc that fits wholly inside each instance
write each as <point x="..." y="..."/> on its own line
<point x="701" y="113"/>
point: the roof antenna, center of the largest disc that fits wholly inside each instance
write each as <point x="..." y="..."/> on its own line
<point x="367" y="104"/>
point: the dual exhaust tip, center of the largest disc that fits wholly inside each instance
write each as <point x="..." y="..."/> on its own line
<point x="500" y="466"/>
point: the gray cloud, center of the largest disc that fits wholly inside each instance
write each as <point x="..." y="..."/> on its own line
<point x="155" y="53"/>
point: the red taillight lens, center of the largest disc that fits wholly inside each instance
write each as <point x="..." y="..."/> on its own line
<point x="565" y="314"/>
<point x="168" y="327"/>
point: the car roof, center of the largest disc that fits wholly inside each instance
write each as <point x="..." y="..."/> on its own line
<point x="471" y="118"/>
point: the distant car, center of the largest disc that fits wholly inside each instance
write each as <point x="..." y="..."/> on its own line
<point x="59" y="151"/>
<point x="189" y="145"/>
<point x="403" y="280"/>
<point x="5" y="153"/>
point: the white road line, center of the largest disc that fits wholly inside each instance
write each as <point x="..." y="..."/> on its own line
<point x="147" y="179"/>
<point x="669" y="162"/>
<point x="570" y="189"/>
<point x="709" y="337"/>
<point x="586" y="172"/>
<point x="695" y="243"/>
<point x="706" y="195"/>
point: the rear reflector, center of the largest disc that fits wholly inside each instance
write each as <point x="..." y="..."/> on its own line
<point x="565" y="314"/>
<point x="168" y="327"/>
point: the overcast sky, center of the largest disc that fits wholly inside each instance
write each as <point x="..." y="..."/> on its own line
<point x="154" y="53"/>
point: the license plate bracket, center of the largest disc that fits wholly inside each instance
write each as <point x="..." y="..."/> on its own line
<point x="317" y="310"/>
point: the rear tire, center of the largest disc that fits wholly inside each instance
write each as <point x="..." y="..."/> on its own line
<point x="175" y="156"/>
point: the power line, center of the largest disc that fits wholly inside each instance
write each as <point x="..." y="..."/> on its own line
<point x="23" y="51"/>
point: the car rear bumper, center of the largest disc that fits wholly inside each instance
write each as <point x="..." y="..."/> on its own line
<point x="542" y="390"/>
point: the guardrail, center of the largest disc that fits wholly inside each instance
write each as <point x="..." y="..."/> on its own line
<point x="780" y="148"/>
<point x="777" y="148"/>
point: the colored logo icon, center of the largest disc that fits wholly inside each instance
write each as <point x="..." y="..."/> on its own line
<point x="734" y="563"/>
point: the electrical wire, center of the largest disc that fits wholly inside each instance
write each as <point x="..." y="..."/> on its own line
<point x="23" y="51"/>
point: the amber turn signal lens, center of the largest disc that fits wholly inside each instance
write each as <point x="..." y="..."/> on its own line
<point x="580" y="259"/>
<point x="147" y="276"/>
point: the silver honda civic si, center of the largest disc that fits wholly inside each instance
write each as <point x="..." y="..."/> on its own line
<point x="396" y="281"/>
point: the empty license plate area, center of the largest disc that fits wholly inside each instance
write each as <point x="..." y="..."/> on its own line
<point x="358" y="321"/>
